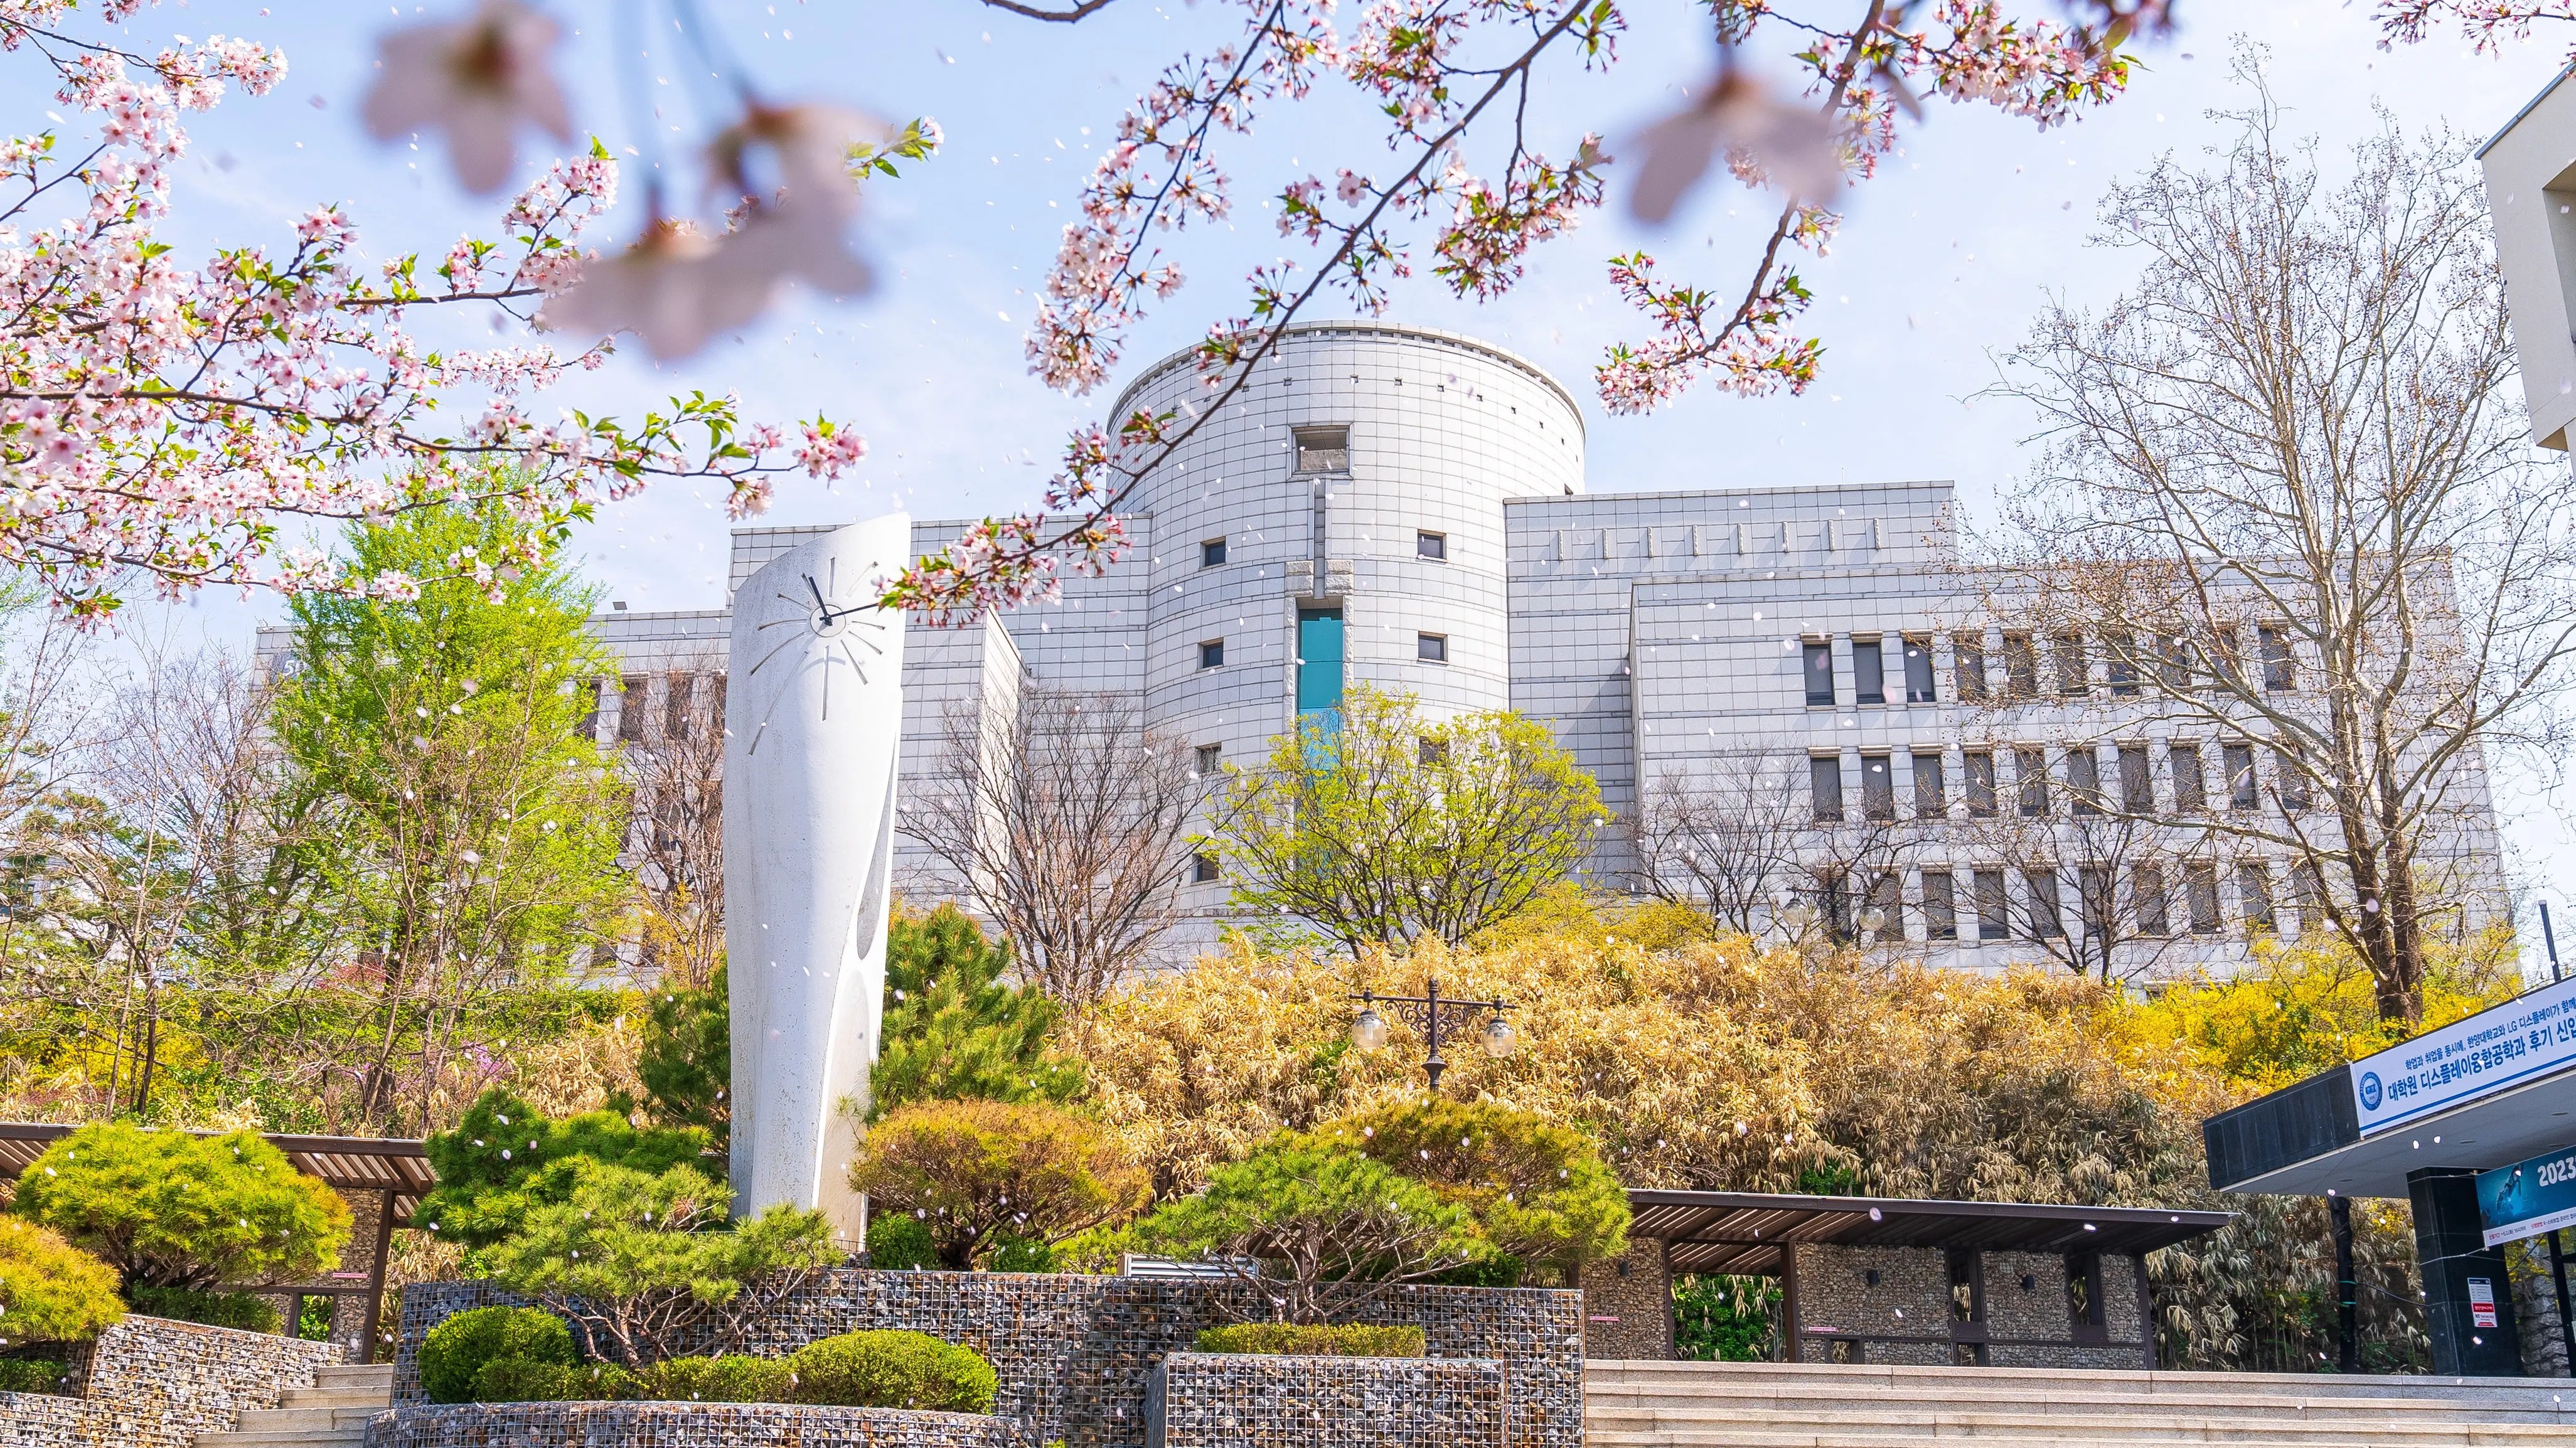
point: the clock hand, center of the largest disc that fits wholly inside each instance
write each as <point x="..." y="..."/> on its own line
<point x="819" y="601"/>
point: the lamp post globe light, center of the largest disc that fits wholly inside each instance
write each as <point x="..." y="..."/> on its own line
<point x="1437" y="1017"/>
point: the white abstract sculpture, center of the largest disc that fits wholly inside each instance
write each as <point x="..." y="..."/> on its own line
<point x="813" y="715"/>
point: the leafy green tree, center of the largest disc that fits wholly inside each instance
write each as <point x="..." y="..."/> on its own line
<point x="1384" y="825"/>
<point x="954" y="1028"/>
<point x="1323" y="1231"/>
<point x="50" y="1290"/>
<point x="475" y="849"/>
<point x="505" y="1159"/>
<point x="648" y="1263"/>
<point x="167" y="1209"/>
<point x="686" y="1062"/>
<point x="1539" y="1191"/>
<point x="985" y="1174"/>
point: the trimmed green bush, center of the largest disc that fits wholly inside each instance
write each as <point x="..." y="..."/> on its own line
<point x="32" y="1375"/>
<point x="898" y="1241"/>
<point x="50" y="1290"/>
<point x="454" y="1353"/>
<point x="731" y="1378"/>
<point x="214" y="1309"/>
<point x="889" y="1369"/>
<point x="1019" y="1254"/>
<point x="1289" y="1339"/>
<point x="527" y="1380"/>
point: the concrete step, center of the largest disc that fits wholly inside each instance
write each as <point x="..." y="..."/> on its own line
<point x="356" y="1375"/>
<point x="285" y="1438"/>
<point x="1729" y="1399"/>
<point x="2034" y="1384"/>
<point x="1910" y="1425"/>
<point x="298" y="1418"/>
<point x="335" y="1398"/>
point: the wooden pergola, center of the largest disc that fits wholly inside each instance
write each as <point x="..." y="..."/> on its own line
<point x="392" y="1171"/>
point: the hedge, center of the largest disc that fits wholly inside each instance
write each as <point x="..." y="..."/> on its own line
<point x="454" y="1353"/>
<point x="893" y="1369"/>
<point x="1350" y="1339"/>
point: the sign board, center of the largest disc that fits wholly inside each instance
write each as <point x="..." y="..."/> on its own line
<point x="2528" y="1197"/>
<point x="2501" y="1046"/>
<point x="2482" y="1309"/>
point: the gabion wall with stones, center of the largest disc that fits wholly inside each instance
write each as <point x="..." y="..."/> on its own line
<point x="1233" y="1400"/>
<point x="152" y="1383"/>
<point x="1072" y="1353"/>
<point x="2027" y="1327"/>
<point x="681" y="1425"/>
<point x="1628" y="1304"/>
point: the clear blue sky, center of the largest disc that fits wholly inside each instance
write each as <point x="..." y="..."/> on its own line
<point x="1941" y="264"/>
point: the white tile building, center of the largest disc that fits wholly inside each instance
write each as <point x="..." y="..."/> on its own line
<point x="1413" y="502"/>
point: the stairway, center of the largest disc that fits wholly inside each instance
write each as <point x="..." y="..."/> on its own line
<point x="1818" y="1405"/>
<point x="332" y="1413"/>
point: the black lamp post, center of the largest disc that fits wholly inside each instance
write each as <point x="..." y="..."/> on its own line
<point x="1436" y="1017"/>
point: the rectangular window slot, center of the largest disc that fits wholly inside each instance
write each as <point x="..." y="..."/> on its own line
<point x="1820" y="674"/>
<point x="1434" y="546"/>
<point x="2030" y="777"/>
<point x="1931" y="796"/>
<point x="1431" y="648"/>
<point x="1940" y="905"/>
<point x="2044" y="921"/>
<point x="1877" y="787"/>
<point x="1918" y="672"/>
<point x="2084" y="780"/>
<point x="1212" y="553"/>
<point x="1212" y="654"/>
<point x="1825" y="786"/>
<point x="1323" y="449"/>
<point x="1981" y="784"/>
<point x="1994" y="908"/>
<point x="1869" y="672"/>
<point x="1970" y="670"/>
<point x="2191" y="789"/>
<point x="2200" y="896"/>
<point x="1319" y="660"/>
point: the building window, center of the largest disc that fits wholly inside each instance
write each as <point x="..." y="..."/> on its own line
<point x="2147" y="899"/>
<point x="2200" y="896"/>
<point x="1918" y="672"/>
<point x="1211" y="553"/>
<point x="1970" y="668"/>
<point x="2042" y="886"/>
<point x="676" y="698"/>
<point x="2223" y="656"/>
<point x="1931" y="796"/>
<point x="2173" y="662"/>
<point x="1869" y="672"/>
<point x="2191" y="791"/>
<point x="2279" y="673"/>
<point x="590" y="690"/>
<point x="1994" y="908"/>
<point x="2093" y="902"/>
<point x="1212" y="654"/>
<point x="630" y="708"/>
<point x="2030" y="776"/>
<point x="2084" y="780"/>
<point x="1319" y="660"/>
<point x="1323" y="449"/>
<point x="1877" y="787"/>
<point x="1940" y="905"/>
<point x="1431" y="648"/>
<point x="1434" y="546"/>
<point x="2242" y="790"/>
<point x="2074" y="666"/>
<point x="1825" y="786"/>
<point x="2308" y="892"/>
<point x="2254" y="893"/>
<point x="1427" y="750"/>
<point x="1887" y="897"/>
<point x="1820" y="674"/>
<point x="1981" y="784"/>
<point x="2120" y="664"/>
<point x="1202" y="869"/>
<point x="2137" y="781"/>
<point x="2021" y="666"/>
<point x="1211" y="759"/>
<point x="2290" y="779"/>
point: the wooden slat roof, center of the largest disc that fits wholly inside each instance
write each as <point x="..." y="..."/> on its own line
<point x="343" y="1163"/>
<point x="1748" y="1232"/>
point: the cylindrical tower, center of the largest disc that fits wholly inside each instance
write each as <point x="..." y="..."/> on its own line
<point x="1341" y="522"/>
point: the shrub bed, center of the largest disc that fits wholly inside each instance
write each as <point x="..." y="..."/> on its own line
<point x="731" y="1378"/>
<point x="893" y="1369"/>
<point x="212" y="1309"/>
<point x="524" y="1355"/>
<point x="1289" y="1339"/>
<point x="455" y="1353"/>
<point x="32" y="1375"/>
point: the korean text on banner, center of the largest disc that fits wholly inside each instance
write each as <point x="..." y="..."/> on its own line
<point x="2498" y="1047"/>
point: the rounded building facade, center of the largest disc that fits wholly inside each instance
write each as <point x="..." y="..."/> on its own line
<point x="1341" y="522"/>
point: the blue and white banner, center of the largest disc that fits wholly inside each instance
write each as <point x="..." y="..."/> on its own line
<point x="2528" y="1198"/>
<point x="2500" y="1046"/>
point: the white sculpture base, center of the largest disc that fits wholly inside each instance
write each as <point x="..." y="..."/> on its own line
<point x="813" y="716"/>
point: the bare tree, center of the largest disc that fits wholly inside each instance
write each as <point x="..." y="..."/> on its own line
<point x="1723" y="842"/>
<point x="675" y="845"/>
<point x="2300" y="425"/>
<point x="2100" y="884"/>
<point x="1068" y="824"/>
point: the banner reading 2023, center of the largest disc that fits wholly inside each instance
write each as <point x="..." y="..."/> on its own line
<point x="2467" y="1059"/>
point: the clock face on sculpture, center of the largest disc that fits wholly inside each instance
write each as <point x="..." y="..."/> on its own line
<point x="831" y="625"/>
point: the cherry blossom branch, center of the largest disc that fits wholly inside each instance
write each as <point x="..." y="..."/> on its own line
<point x="1039" y="12"/>
<point x="2486" y="23"/>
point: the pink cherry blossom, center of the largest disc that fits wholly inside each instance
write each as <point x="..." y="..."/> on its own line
<point x="478" y="80"/>
<point x="674" y="288"/>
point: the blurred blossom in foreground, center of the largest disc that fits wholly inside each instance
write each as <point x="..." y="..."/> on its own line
<point x="478" y="81"/>
<point x="1785" y="143"/>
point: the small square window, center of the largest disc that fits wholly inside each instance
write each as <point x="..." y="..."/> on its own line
<point x="1202" y="869"/>
<point x="1431" y="648"/>
<point x="1211" y="553"/>
<point x="1323" y="449"/>
<point x="1434" y="546"/>
<point x="1212" y="654"/>
<point x="1211" y="758"/>
<point x="1431" y="751"/>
